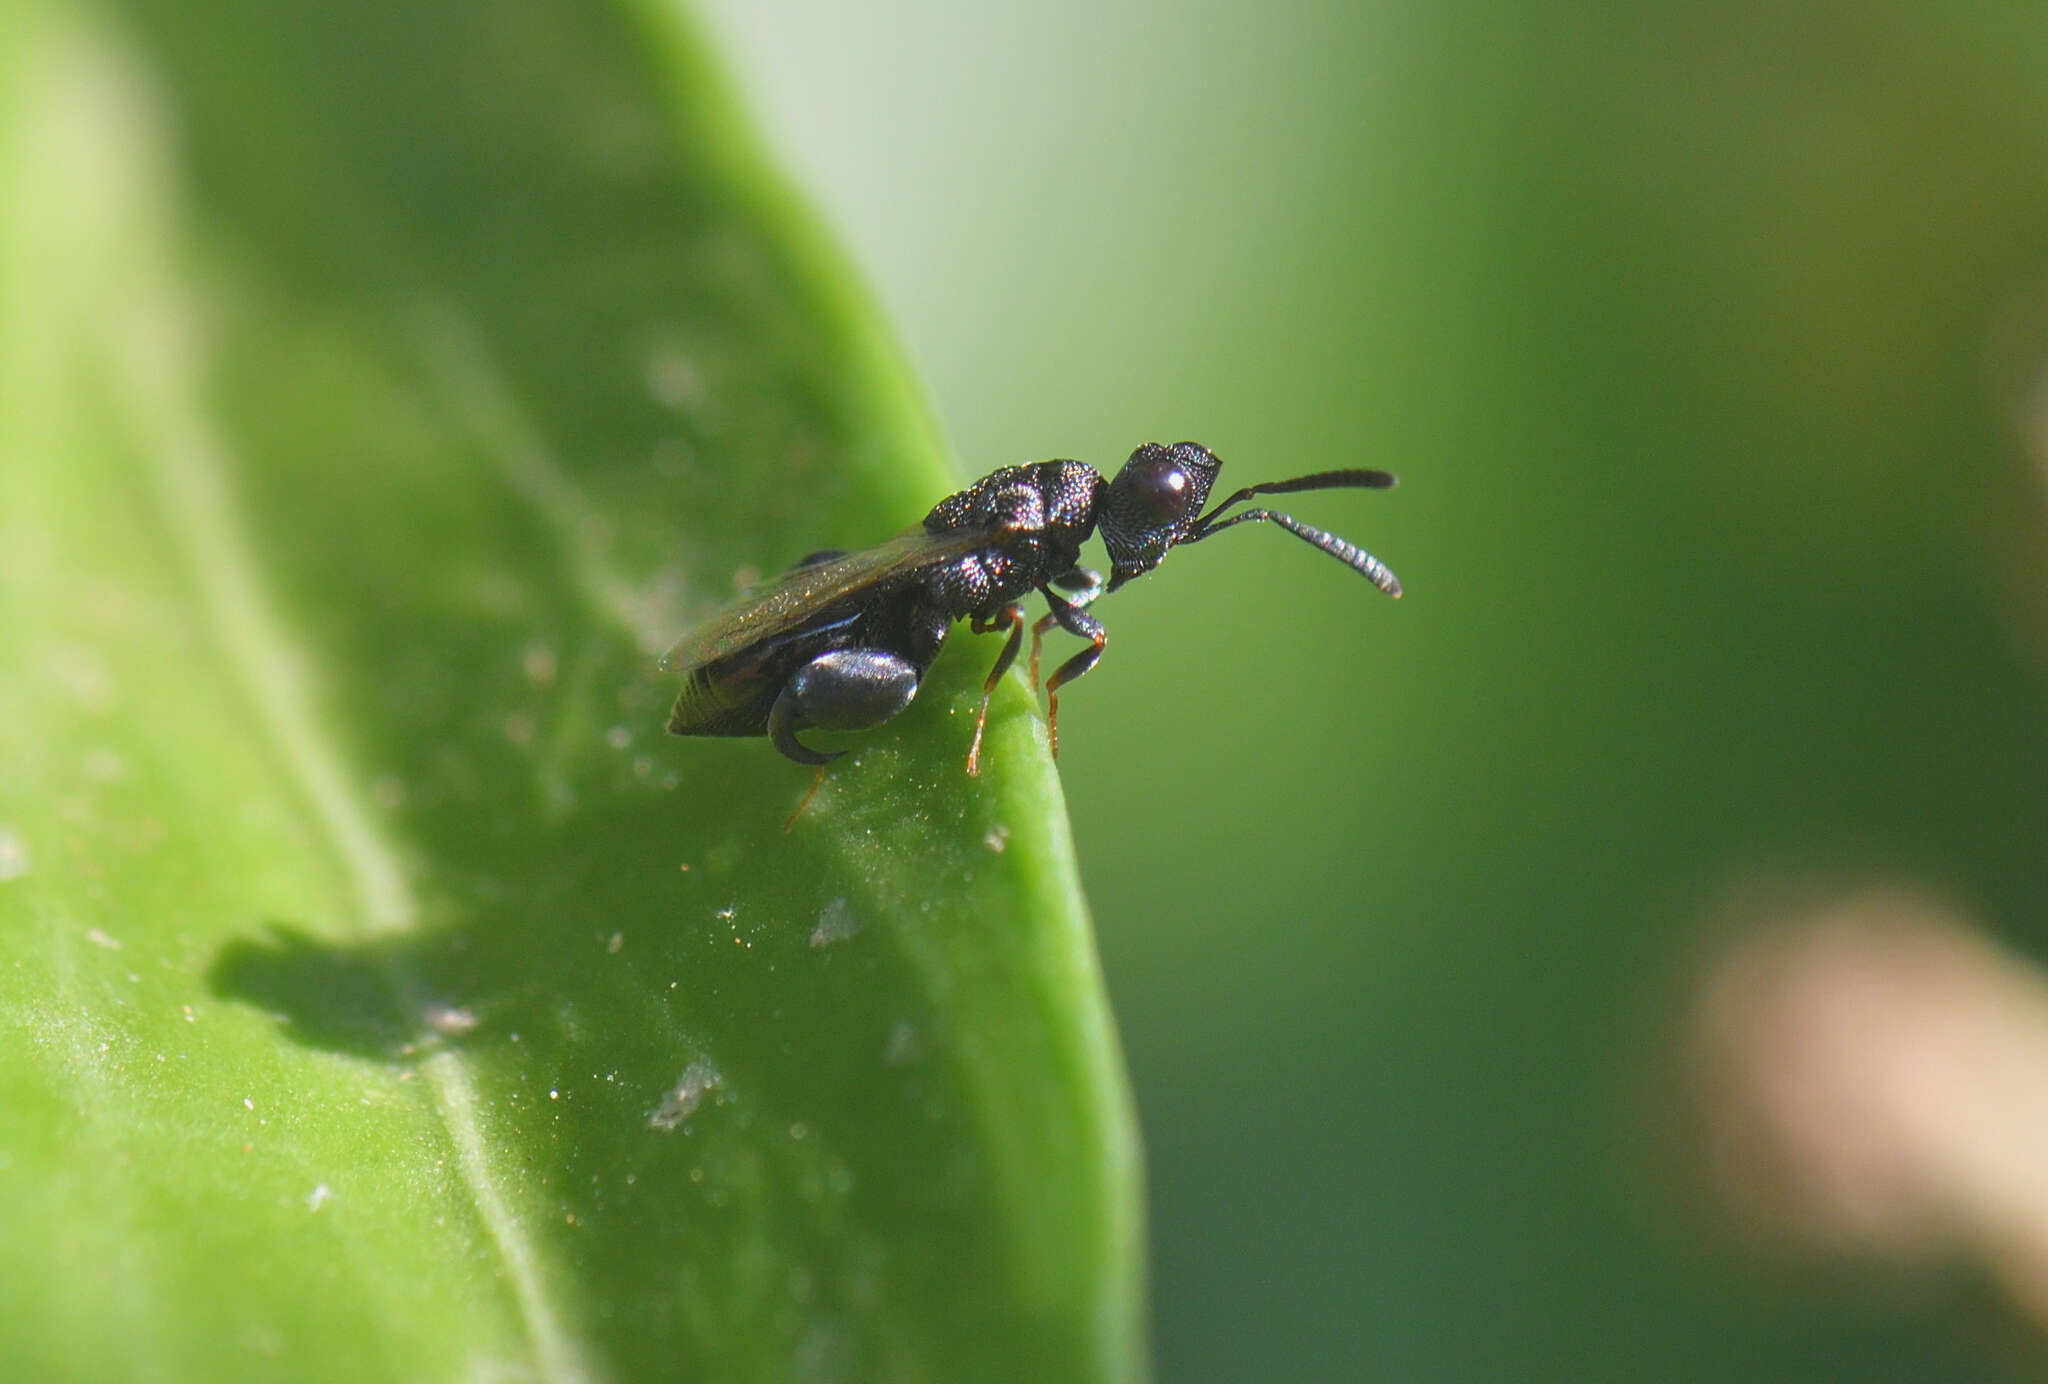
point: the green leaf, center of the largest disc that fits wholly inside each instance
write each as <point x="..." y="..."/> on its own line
<point x="381" y="386"/>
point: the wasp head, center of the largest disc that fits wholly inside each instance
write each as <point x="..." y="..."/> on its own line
<point x="1153" y="504"/>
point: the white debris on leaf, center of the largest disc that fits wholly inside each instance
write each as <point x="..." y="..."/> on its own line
<point x="450" y="1020"/>
<point x="904" y="1045"/>
<point x="698" y="1080"/>
<point x="14" y="857"/>
<point x="538" y="663"/>
<point x="836" y="922"/>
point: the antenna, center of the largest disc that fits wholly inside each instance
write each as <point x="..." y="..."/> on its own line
<point x="1348" y="553"/>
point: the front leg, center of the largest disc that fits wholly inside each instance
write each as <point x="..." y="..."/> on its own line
<point x="1086" y="584"/>
<point x="1069" y="616"/>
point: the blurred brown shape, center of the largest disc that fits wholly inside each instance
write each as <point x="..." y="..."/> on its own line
<point x="1872" y="1081"/>
<point x="2015" y="534"/>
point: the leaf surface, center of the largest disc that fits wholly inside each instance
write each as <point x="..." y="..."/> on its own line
<point x="387" y="996"/>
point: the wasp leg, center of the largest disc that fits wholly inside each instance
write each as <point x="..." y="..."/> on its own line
<point x="1069" y="616"/>
<point x="783" y="719"/>
<point x="1010" y="617"/>
<point x="1086" y="584"/>
<point x="817" y="782"/>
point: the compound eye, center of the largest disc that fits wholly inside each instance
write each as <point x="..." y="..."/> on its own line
<point x="1162" y="488"/>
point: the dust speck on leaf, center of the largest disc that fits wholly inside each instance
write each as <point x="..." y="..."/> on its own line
<point x="698" y="1080"/>
<point x="828" y="1353"/>
<point x="618" y="737"/>
<point x="673" y="380"/>
<point x="904" y="1045"/>
<point x="101" y="939"/>
<point x="82" y="674"/>
<point x="14" y="857"/>
<point x="836" y="922"/>
<point x="450" y="1020"/>
<point x="617" y="942"/>
<point x="538" y="663"/>
<point x="318" y="1197"/>
<point x="262" y="1340"/>
<point x="998" y="839"/>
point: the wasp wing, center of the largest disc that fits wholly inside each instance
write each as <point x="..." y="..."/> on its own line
<point x="813" y="596"/>
<point x="735" y="695"/>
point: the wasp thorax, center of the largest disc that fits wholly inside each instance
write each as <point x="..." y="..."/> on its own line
<point x="1152" y="504"/>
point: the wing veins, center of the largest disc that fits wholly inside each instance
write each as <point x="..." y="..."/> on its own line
<point x="804" y="594"/>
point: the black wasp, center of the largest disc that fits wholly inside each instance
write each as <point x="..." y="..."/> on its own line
<point x="841" y="640"/>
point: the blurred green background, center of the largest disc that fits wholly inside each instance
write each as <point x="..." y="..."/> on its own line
<point x="1703" y="338"/>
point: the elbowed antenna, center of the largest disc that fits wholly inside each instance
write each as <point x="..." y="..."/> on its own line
<point x="1350" y="554"/>
<point x="1321" y="480"/>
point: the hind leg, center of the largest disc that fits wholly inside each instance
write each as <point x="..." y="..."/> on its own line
<point x="846" y="689"/>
